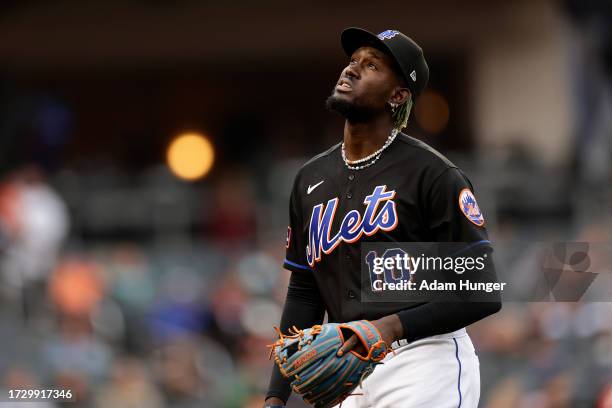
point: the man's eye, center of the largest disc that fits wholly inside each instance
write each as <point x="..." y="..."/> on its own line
<point x="352" y="62"/>
<point x="371" y="66"/>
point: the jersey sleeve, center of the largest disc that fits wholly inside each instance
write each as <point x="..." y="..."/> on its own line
<point x="295" y="257"/>
<point x="453" y="214"/>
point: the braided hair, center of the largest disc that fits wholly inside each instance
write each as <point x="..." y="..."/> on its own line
<point x="400" y="114"/>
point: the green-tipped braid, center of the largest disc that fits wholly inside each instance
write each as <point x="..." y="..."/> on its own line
<point x="401" y="114"/>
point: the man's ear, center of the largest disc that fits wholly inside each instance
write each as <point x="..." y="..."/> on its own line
<point x="400" y="95"/>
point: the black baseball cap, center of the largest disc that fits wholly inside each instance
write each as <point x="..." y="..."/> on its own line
<point x="407" y="54"/>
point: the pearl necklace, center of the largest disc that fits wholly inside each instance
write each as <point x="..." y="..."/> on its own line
<point x="370" y="159"/>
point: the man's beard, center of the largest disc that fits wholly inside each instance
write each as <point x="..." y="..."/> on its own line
<point x="353" y="112"/>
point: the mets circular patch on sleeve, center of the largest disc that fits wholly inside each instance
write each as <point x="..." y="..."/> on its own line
<point x="469" y="207"/>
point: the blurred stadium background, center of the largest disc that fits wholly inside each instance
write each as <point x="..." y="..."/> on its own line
<point x="148" y="149"/>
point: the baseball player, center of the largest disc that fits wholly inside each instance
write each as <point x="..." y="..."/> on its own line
<point x="380" y="185"/>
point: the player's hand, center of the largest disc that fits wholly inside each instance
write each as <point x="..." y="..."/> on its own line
<point x="390" y="328"/>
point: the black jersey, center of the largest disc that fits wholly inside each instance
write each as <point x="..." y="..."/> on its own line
<point x="411" y="194"/>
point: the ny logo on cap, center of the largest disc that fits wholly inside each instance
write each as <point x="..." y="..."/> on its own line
<point x="385" y="35"/>
<point x="413" y="75"/>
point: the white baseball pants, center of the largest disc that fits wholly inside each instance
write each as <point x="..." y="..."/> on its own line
<point x="439" y="371"/>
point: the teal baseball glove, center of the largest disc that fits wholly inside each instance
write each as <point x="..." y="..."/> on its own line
<point x="309" y="359"/>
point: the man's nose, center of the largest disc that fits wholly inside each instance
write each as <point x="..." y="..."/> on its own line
<point x="351" y="72"/>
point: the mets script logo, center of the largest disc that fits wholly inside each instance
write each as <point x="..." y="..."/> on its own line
<point x="469" y="207"/>
<point x="353" y="226"/>
<point x="387" y="34"/>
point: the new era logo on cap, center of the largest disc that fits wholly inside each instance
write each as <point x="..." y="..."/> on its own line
<point x="413" y="75"/>
<point x="387" y="34"/>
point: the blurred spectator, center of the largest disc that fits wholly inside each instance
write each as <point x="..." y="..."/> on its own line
<point x="178" y="374"/>
<point x="76" y="286"/>
<point x="75" y="352"/>
<point x="131" y="278"/>
<point x="34" y="223"/>
<point x="233" y="217"/>
<point x="38" y="220"/>
<point x="228" y="302"/>
<point x="591" y="61"/>
<point x="129" y="387"/>
<point x="180" y="310"/>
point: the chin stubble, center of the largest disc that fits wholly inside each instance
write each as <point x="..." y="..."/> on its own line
<point x="349" y="110"/>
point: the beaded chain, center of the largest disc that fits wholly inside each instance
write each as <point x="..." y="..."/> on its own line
<point x="370" y="159"/>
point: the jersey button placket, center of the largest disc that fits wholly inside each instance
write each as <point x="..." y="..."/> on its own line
<point x="349" y="193"/>
<point x="351" y="295"/>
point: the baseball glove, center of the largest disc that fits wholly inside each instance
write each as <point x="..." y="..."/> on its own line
<point x="308" y="358"/>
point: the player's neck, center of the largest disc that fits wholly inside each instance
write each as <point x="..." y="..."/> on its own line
<point x="363" y="139"/>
